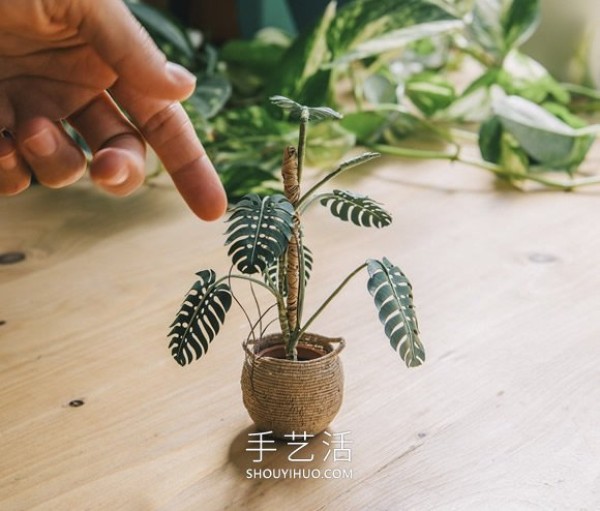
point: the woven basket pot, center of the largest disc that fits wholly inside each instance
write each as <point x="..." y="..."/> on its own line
<point x="284" y="396"/>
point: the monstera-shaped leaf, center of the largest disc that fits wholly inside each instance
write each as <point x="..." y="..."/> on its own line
<point x="358" y="209"/>
<point x="259" y="231"/>
<point x="200" y="318"/>
<point x="392" y="293"/>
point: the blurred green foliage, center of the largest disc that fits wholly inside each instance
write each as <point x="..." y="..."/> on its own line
<point x="391" y="67"/>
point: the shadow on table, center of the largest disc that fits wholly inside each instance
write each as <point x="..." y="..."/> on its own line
<point x="92" y="212"/>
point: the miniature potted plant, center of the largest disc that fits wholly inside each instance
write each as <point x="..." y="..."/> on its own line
<point x="292" y="380"/>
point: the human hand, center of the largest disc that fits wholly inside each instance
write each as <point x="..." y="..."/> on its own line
<point x="74" y="61"/>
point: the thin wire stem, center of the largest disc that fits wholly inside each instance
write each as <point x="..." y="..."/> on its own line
<point x="330" y="298"/>
<point x="304" y="117"/>
<point x="251" y="333"/>
<point x="259" y="321"/>
<point x="341" y="168"/>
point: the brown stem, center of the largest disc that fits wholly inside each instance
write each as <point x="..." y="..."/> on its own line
<point x="289" y="172"/>
<point x="293" y="280"/>
<point x="281" y="309"/>
<point x="291" y="189"/>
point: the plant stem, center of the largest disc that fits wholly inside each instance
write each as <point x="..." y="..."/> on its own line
<point x="343" y="166"/>
<point x="249" y="279"/>
<point x="420" y="154"/>
<point x="278" y="298"/>
<point x="464" y="134"/>
<point x="228" y="277"/>
<point x="281" y="309"/>
<point x="550" y="183"/>
<point x="581" y="90"/>
<point x="259" y="322"/>
<point x="257" y="304"/>
<point x="243" y="309"/>
<point x="486" y="165"/>
<point x="294" y="269"/>
<point x="304" y="116"/>
<point x="330" y="298"/>
<point x="301" y="276"/>
<point x="475" y="52"/>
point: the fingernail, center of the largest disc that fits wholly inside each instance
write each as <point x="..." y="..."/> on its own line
<point x="119" y="177"/>
<point x="116" y="177"/>
<point x="41" y="144"/>
<point x="8" y="161"/>
<point x="180" y="73"/>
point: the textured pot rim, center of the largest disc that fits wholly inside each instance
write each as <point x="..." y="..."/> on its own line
<point x="308" y="339"/>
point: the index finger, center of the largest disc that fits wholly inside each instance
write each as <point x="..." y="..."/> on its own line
<point x="114" y="33"/>
<point x="168" y="129"/>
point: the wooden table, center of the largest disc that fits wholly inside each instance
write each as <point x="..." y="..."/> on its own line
<point x="504" y="415"/>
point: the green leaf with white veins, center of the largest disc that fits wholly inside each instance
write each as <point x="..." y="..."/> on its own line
<point x="397" y="39"/>
<point x="200" y="318"/>
<point x="211" y="94"/>
<point x="475" y="103"/>
<point x="165" y="30"/>
<point x="392" y="293"/>
<point x="364" y="22"/>
<point x="501" y="25"/>
<point x="305" y="71"/>
<point x="430" y="92"/>
<point x="379" y="89"/>
<point x="355" y="208"/>
<point x="300" y="70"/>
<point x="259" y="231"/>
<point x="523" y="76"/>
<point x="545" y="138"/>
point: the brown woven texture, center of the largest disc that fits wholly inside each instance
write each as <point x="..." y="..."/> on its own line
<point x="289" y="173"/>
<point x="284" y="396"/>
<point x="291" y="187"/>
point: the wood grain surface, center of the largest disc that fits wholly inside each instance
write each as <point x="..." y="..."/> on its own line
<point x="504" y="415"/>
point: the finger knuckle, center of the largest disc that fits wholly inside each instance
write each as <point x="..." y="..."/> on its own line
<point x="166" y="125"/>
